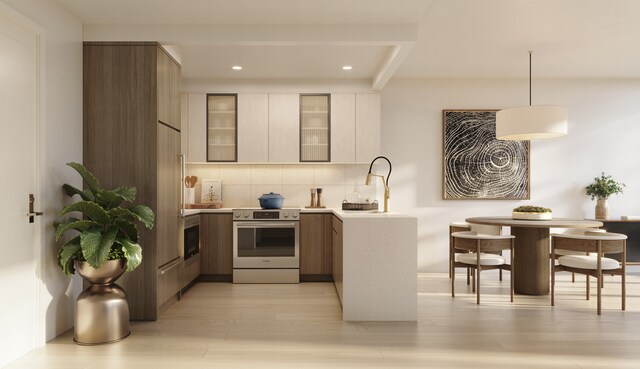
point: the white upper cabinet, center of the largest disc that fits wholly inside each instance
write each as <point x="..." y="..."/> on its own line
<point x="367" y="127"/>
<point x="197" y="128"/>
<point x="343" y="128"/>
<point x="253" y="128"/>
<point x="269" y="127"/>
<point x="284" y="132"/>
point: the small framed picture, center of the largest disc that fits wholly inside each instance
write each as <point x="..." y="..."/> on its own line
<point x="211" y="191"/>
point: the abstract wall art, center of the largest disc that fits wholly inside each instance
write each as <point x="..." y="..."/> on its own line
<point x="476" y="164"/>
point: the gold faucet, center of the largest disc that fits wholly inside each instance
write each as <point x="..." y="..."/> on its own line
<point x="385" y="183"/>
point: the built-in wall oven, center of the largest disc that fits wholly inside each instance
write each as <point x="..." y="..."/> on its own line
<point x="266" y="246"/>
<point x="191" y="236"/>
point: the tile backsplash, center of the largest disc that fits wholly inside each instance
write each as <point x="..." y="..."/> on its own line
<point x="242" y="184"/>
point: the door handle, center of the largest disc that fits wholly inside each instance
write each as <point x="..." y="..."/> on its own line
<point x="32" y="213"/>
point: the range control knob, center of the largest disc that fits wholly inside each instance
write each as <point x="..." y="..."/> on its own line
<point x="236" y="215"/>
<point x="285" y="214"/>
<point x="245" y="214"/>
<point x="294" y="215"/>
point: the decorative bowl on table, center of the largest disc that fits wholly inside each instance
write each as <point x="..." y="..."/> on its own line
<point x="531" y="213"/>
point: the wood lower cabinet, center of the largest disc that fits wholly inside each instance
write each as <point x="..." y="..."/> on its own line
<point x="131" y="137"/>
<point x="315" y="247"/>
<point x="216" y="246"/>
<point x="336" y="231"/>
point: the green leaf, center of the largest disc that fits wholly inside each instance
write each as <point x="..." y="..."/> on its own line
<point x="90" y="209"/>
<point x="133" y="253"/>
<point x="143" y="214"/>
<point x="128" y="193"/>
<point x="128" y="229"/>
<point x="96" y="245"/>
<point x="121" y="213"/>
<point x="70" y="191"/>
<point x="66" y="256"/>
<point x="88" y="177"/>
<point x="74" y="223"/>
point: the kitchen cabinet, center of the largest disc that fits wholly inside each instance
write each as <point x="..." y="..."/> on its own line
<point x="343" y="128"/>
<point x="131" y="137"/>
<point x="315" y="127"/>
<point x="268" y="128"/>
<point x="169" y="85"/>
<point x="284" y="133"/>
<point x="184" y="126"/>
<point x="196" y="128"/>
<point x="336" y="227"/>
<point x="222" y="127"/>
<point x="253" y="128"/>
<point x="216" y="241"/>
<point x="316" y="247"/>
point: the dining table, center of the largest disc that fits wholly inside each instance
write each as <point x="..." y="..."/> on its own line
<point x="532" y="248"/>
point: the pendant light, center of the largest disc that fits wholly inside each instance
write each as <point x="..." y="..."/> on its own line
<point x="531" y="122"/>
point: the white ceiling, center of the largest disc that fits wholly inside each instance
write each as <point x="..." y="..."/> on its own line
<point x="312" y="39"/>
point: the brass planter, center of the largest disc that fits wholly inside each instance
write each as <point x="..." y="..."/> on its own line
<point x="102" y="310"/>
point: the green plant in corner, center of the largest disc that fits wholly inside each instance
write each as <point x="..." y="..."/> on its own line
<point x="108" y="230"/>
<point x="604" y="186"/>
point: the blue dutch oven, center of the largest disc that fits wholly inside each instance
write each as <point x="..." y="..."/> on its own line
<point x="271" y="201"/>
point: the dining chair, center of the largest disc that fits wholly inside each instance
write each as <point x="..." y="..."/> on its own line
<point x="463" y="227"/>
<point x="578" y="231"/>
<point x="597" y="243"/>
<point x="481" y="255"/>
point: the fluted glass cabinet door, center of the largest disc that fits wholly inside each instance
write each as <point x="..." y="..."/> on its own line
<point x="222" y="127"/>
<point x="315" y="125"/>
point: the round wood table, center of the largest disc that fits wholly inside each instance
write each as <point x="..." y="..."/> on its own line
<point x="532" y="247"/>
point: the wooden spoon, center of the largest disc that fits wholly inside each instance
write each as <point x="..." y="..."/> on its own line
<point x="187" y="181"/>
<point x="194" y="180"/>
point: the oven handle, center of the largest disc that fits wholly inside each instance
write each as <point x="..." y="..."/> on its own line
<point x="265" y="224"/>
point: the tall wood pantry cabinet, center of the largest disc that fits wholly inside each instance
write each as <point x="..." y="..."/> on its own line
<point x="131" y="137"/>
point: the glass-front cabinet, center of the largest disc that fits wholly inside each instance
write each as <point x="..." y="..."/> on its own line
<point x="222" y="127"/>
<point x="315" y="127"/>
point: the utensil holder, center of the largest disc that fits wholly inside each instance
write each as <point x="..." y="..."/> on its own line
<point x="189" y="195"/>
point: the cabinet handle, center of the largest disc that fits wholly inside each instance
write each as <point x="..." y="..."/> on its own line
<point x="183" y="174"/>
<point x="172" y="264"/>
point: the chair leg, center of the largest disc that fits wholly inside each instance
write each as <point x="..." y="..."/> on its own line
<point x="473" y="280"/>
<point x="500" y="275"/>
<point x="453" y="282"/>
<point x="478" y="287"/>
<point x="553" y="283"/>
<point x="624" y="291"/>
<point x="468" y="275"/>
<point x="599" y="294"/>
<point x="588" y="288"/>
<point x="573" y="277"/>
<point x="511" y="282"/>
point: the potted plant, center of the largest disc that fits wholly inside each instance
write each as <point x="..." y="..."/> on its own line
<point x="529" y="212"/>
<point x="105" y="244"/>
<point x="601" y="188"/>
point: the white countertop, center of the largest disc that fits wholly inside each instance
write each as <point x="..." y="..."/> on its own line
<point x="342" y="214"/>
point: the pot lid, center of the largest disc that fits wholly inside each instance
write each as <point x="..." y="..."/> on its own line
<point x="270" y="195"/>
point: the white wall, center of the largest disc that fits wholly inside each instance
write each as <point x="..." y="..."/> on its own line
<point x="62" y="143"/>
<point x="604" y="129"/>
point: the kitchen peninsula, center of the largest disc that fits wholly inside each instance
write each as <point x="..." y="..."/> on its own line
<point x="374" y="263"/>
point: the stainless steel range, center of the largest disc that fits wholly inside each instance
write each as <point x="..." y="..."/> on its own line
<point x="266" y="246"/>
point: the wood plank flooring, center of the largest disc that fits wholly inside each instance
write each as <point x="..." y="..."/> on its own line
<point x="221" y="325"/>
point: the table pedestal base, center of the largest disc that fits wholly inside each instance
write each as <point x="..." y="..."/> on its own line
<point x="531" y="259"/>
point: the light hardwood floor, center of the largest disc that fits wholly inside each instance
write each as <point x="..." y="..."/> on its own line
<point x="299" y="326"/>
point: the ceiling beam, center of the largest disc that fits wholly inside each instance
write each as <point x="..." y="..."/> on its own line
<point x="391" y="63"/>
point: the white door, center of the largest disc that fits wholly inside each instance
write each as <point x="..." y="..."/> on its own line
<point x="18" y="265"/>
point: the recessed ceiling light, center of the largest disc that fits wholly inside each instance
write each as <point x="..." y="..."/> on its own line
<point x="347" y="67"/>
<point x="236" y="67"/>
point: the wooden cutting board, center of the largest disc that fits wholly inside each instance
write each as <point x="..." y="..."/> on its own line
<point x="213" y="205"/>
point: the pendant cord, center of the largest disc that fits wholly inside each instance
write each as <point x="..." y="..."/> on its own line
<point x="530" y="52"/>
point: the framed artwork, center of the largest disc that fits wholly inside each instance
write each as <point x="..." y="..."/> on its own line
<point x="478" y="166"/>
<point x="211" y="191"/>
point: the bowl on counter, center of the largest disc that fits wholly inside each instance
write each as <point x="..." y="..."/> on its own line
<point x="271" y="201"/>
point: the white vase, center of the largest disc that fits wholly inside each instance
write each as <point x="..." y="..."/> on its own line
<point x="602" y="209"/>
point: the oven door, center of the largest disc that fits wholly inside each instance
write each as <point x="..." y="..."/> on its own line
<point x="266" y="245"/>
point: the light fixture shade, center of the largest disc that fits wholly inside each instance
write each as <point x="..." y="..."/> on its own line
<point x="531" y="122"/>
